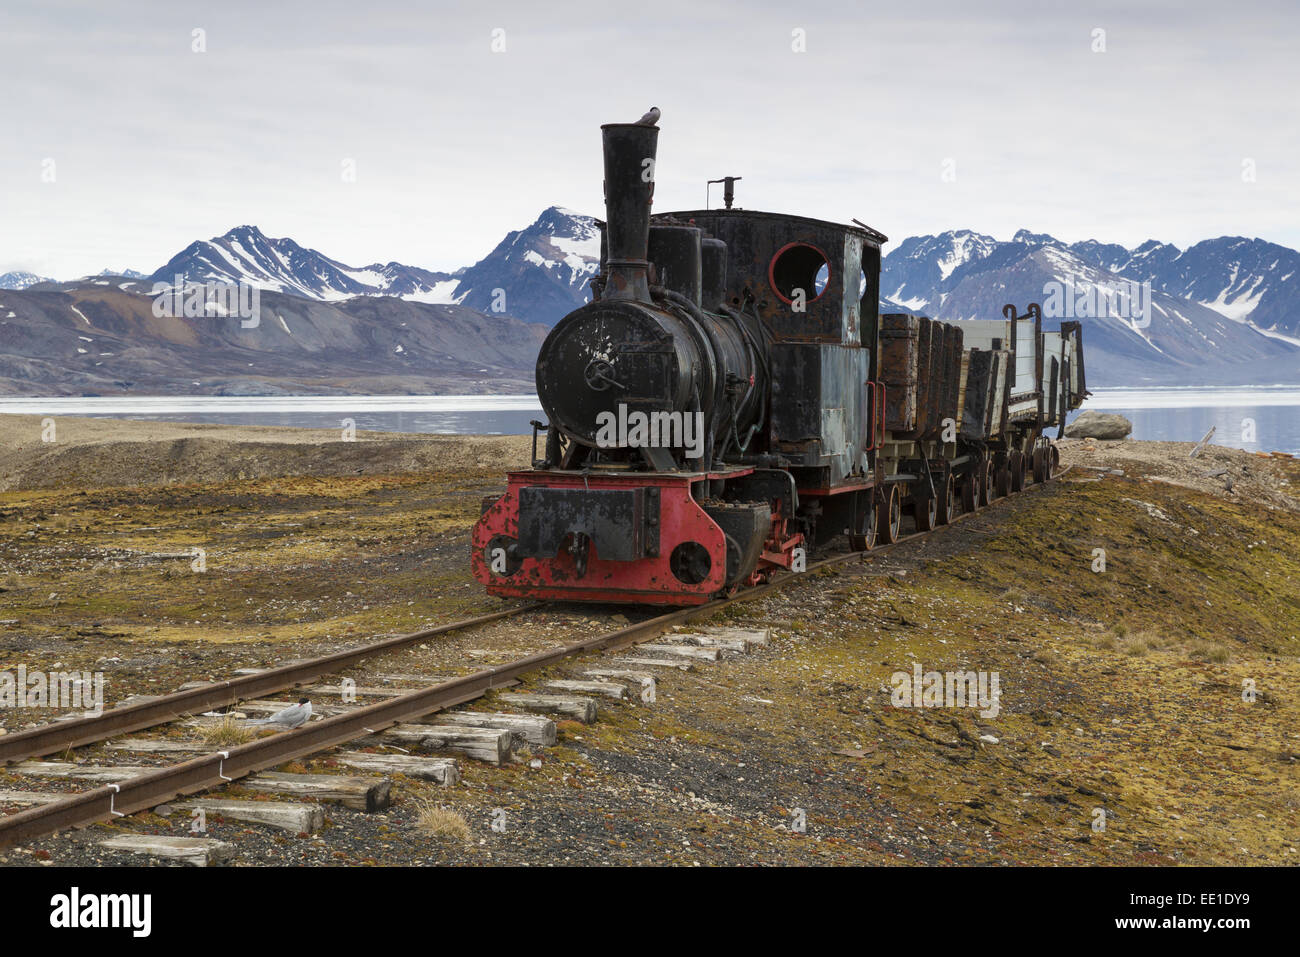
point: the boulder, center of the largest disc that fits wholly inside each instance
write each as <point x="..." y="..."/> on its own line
<point x="1099" y="425"/>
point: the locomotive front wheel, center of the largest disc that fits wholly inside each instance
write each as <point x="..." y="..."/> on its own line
<point x="946" y="501"/>
<point x="867" y="540"/>
<point x="1016" y="467"/>
<point x="889" y="515"/>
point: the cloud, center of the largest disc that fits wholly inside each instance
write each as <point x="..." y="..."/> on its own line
<point x="453" y="145"/>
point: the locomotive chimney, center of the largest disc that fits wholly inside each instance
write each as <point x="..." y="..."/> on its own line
<point x="629" y="190"/>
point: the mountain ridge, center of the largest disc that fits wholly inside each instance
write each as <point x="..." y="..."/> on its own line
<point x="1200" y="323"/>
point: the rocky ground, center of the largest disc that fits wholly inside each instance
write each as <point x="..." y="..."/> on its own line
<point x="1155" y="695"/>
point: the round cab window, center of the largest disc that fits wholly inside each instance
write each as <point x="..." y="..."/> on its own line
<point x="799" y="266"/>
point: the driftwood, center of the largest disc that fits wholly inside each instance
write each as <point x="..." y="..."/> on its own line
<point x="1201" y="444"/>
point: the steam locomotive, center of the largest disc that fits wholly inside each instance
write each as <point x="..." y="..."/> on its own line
<point x="731" y="399"/>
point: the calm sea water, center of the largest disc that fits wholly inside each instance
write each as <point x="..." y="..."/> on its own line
<point x="1253" y="418"/>
<point x="1176" y="415"/>
<point x="466" y="414"/>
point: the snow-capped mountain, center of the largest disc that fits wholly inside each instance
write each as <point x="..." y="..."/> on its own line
<point x="543" y="270"/>
<point x="280" y="265"/>
<point x="21" y="280"/>
<point x="124" y="273"/>
<point x="964" y="275"/>
<point x="1249" y="280"/>
<point x="917" y="269"/>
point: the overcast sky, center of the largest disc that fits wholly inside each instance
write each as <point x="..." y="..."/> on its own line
<point x="152" y="145"/>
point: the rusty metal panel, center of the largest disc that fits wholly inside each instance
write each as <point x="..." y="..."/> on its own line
<point x="844" y="410"/>
<point x="819" y="406"/>
<point x="897" y="369"/>
<point x="796" y="392"/>
<point x="849" y="281"/>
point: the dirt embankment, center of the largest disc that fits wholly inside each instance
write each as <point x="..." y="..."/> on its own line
<point x="113" y="453"/>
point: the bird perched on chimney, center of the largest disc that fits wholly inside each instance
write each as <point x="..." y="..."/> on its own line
<point x="650" y="119"/>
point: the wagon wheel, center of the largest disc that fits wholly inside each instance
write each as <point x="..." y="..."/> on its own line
<point x="988" y="482"/>
<point x="1040" y="465"/>
<point x="1053" y="461"/>
<point x="946" y="500"/>
<point x="970" y="493"/>
<point x="889" y="515"/>
<point x="926" y="513"/>
<point x="1001" y="481"/>
<point x="1016" y="466"/>
<point x="865" y="541"/>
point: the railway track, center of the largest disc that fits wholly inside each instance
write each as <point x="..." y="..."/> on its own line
<point x="138" y="789"/>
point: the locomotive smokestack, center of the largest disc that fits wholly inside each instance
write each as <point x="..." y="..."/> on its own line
<point x="629" y="190"/>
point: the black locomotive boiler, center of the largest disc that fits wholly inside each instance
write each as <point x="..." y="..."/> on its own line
<point x="731" y="399"/>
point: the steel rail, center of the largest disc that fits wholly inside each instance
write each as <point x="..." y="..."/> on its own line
<point x="58" y="736"/>
<point x="148" y="790"/>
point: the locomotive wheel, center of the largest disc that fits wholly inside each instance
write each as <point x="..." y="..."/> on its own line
<point x="1016" y="468"/>
<point x="988" y="482"/>
<point x="867" y="540"/>
<point x="926" y="513"/>
<point x="970" y="493"/>
<point x="889" y="515"/>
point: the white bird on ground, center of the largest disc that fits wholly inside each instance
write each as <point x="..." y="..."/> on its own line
<point x="294" y="716"/>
